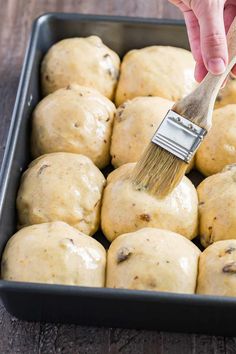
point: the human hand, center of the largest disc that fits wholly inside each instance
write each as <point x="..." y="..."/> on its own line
<point x="207" y="22"/>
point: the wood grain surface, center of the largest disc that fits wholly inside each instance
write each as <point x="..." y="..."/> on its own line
<point x="21" y="337"/>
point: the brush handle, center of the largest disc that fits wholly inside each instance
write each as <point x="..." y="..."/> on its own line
<point x="199" y="105"/>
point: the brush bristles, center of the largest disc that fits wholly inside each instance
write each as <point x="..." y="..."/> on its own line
<point x="158" y="171"/>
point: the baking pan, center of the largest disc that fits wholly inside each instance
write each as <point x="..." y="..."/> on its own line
<point x="84" y="305"/>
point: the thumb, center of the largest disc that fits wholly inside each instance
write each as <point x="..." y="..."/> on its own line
<point x="212" y="35"/>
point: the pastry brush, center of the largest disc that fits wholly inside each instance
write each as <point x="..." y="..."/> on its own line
<point x="172" y="147"/>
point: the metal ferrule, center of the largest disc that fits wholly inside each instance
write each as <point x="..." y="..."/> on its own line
<point x="179" y="136"/>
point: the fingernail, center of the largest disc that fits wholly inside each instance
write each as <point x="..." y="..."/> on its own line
<point x="216" y="66"/>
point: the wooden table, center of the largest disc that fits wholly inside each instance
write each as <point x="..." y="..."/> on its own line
<point x="21" y="337"/>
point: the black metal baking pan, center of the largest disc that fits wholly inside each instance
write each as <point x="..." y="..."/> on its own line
<point x="84" y="305"/>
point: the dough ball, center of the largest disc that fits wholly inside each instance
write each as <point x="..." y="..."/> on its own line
<point x="75" y="119"/>
<point x="54" y="253"/>
<point x="153" y="259"/>
<point x="217" y="206"/>
<point x="125" y="209"/>
<point x="162" y="71"/>
<point x="219" y="147"/>
<point x="135" y="123"/>
<point x="217" y="269"/>
<point x="85" y="61"/>
<point x="61" y="186"/>
<point x="227" y="95"/>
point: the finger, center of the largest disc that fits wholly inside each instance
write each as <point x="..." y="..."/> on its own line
<point x="180" y="4"/>
<point x="192" y="28"/>
<point x="193" y="34"/>
<point x="194" y="39"/>
<point x="229" y="15"/>
<point x="200" y="71"/>
<point x="213" y="37"/>
<point x="234" y="71"/>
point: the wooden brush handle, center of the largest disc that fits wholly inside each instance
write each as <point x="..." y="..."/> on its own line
<point x="199" y="105"/>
